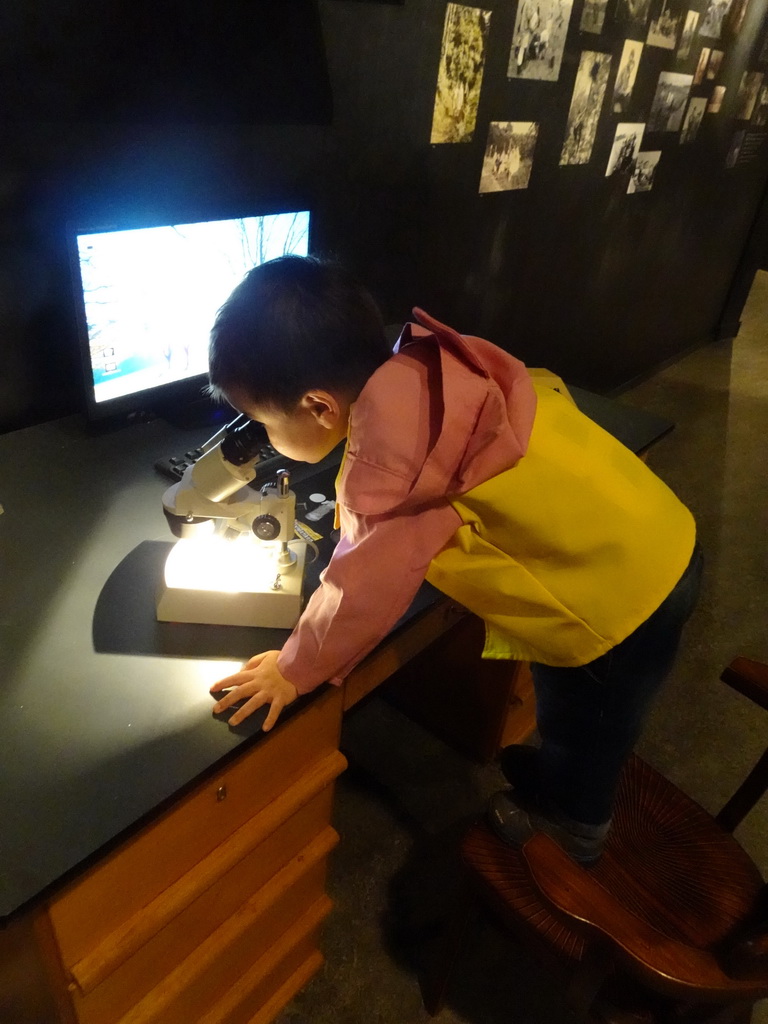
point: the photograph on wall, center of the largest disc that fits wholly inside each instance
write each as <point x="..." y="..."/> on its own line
<point x="686" y="38"/>
<point x="626" y="145"/>
<point x="760" y="116"/>
<point x="669" y="102"/>
<point x="538" y="40"/>
<point x="664" y="27"/>
<point x="644" y="172"/>
<point x="508" y="155"/>
<point x="693" y="118"/>
<point x="632" y="15"/>
<point x="701" y="67"/>
<point x="747" y="95"/>
<point x="626" y="75"/>
<point x="714" y="64"/>
<point x="593" y="16"/>
<point x="716" y="100"/>
<point x="460" y="75"/>
<point x="584" y="112"/>
<point x="714" y="15"/>
<point x="735" y="148"/>
<point x="735" y="17"/>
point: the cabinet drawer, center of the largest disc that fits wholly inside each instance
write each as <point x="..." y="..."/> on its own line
<point x="145" y="866"/>
<point x="305" y="839"/>
<point x="259" y="997"/>
<point x="221" y="974"/>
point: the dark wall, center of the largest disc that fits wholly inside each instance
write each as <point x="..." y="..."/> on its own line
<point x="570" y="272"/>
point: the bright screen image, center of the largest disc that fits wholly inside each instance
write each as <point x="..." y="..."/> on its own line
<point x="151" y="294"/>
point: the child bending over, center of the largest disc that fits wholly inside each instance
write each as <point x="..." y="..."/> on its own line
<point x="458" y="469"/>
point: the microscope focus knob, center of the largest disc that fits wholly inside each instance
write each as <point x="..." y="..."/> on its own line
<point x="266" y="527"/>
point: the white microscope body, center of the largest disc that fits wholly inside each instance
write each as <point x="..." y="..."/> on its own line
<point x="236" y="562"/>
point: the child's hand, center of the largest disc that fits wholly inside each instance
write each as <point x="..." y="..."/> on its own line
<point x="261" y="680"/>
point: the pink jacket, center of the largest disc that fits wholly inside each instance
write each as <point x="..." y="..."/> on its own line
<point x="444" y="414"/>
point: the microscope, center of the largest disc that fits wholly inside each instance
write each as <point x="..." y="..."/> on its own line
<point x="235" y="561"/>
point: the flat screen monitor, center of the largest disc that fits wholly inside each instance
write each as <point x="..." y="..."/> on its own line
<point x="146" y="299"/>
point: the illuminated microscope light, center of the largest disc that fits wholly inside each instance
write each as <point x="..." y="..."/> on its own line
<point x="225" y="582"/>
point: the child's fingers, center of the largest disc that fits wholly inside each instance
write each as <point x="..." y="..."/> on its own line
<point x="257" y="684"/>
<point x="238" y="679"/>
<point x="244" y="675"/>
<point x="229" y="698"/>
<point x="274" y="713"/>
<point x="248" y="708"/>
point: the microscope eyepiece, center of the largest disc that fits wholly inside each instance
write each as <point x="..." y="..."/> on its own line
<point x="243" y="442"/>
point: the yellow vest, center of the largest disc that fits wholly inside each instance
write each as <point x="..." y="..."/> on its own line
<point x="565" y="554"/>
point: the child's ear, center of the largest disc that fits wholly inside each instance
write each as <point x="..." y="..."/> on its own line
<point x="328" y="410"/>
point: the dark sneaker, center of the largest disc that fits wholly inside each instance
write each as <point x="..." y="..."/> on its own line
<point x="515" y="824"/>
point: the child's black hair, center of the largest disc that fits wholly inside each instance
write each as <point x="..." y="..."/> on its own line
<point x="292" y="324"/>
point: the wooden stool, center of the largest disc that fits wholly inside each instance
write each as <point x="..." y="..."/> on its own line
<point x="671" y="924"/>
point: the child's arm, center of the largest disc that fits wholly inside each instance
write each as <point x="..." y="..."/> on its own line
<point x="371" y="580"/>
<point x="376" y="570"/>
<point x="434" y="420"/>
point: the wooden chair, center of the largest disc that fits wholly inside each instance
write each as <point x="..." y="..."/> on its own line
<point x="670" y="925"/>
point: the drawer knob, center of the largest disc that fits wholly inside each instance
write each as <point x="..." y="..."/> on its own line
<point x="221" y="793"/>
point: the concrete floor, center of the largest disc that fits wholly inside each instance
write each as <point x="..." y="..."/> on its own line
<point x="406" y="797"/>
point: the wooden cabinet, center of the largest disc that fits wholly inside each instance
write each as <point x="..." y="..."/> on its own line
<point x="209" y="914"/>
<point x="427" y="631"/>
<point x="476" y="706"/>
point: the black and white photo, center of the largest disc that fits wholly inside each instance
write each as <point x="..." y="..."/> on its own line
<point x="747" y="95"/>
<point x="716" y="100"/>
<point x="693" y="118"/>
<point x="538" y="40"/>
<point x="586" y="102"/>
<point x="626" y="75"/>
<point x="508" y="155"/>
<point x="714" y="64"/>
<point x="669" y="102"/>
<point x="712" y="23"/>
<point x="686" y="38"/>
<point x="701" y="67"/>
<point x="665" y="25"/>
<point x="460" y="74"/>
<point x="626" y="146"/>
<point x="593" y="16"/>
<point x="632" y="15"/>
<point x="735" y="18"/>
<point x="645" y="171"/>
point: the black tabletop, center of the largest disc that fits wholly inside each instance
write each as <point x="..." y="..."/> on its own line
<point x="636" y="428"/>
<point x="105" y="714"/>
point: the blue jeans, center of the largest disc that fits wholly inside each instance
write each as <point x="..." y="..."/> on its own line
<point x="589" y="718"/>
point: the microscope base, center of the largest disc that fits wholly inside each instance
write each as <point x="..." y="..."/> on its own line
<point x="252" y="603"/>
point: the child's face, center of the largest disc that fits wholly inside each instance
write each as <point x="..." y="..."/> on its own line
<point x="307" y="433"/>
